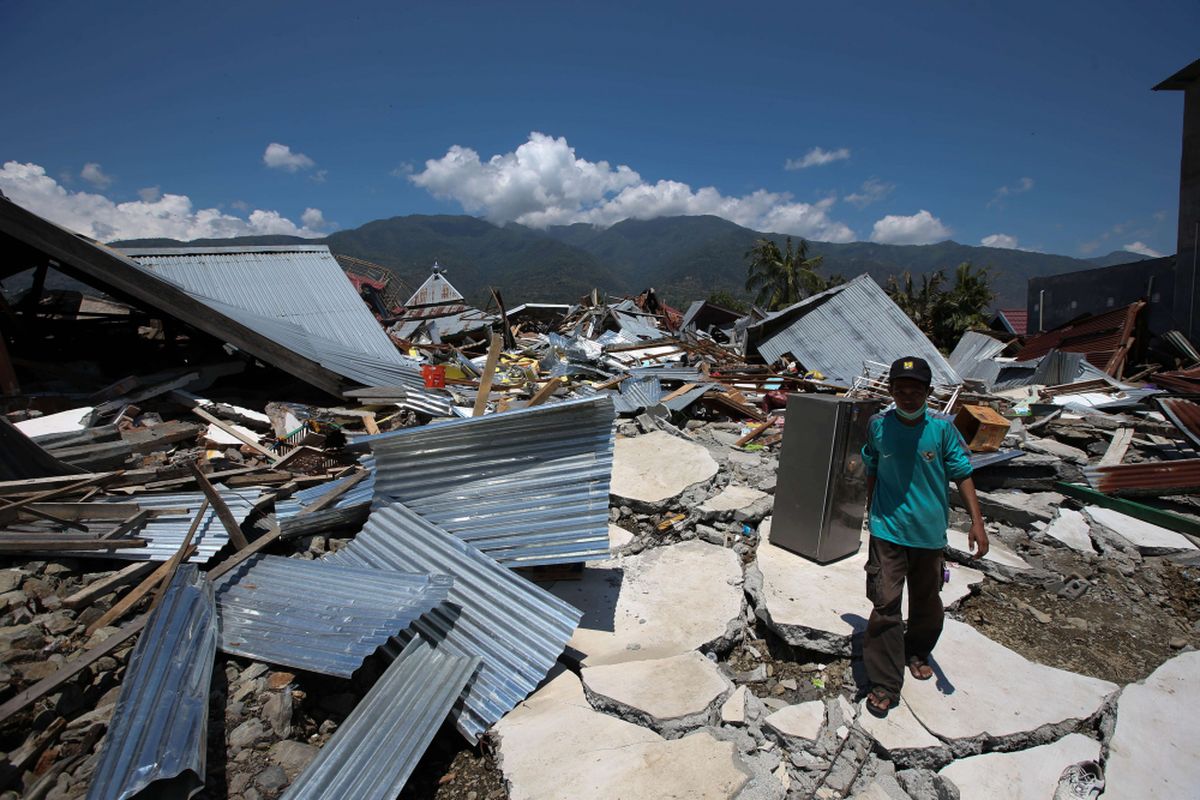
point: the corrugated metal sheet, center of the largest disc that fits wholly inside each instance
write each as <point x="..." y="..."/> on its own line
<point x="1149" y="478"/>
<point x="375" y="750"/>
<point x="303" y="285"/>
<point x="839" y="330"/>
<point x="441" y="327"/>
<point x="668" y="372"/>
<point x="527" y="487"/>
<point x="363" y="368"/>
<point x="517" y="627"/>
<point x="638" y="326"/>
<point x="636" y="394"/>
<point x="1104" y="339"/>
<point x="1184" y="415"/>
<point x="972" y="356"/>
<point x="165" y="533"/>
<point x="316" y="615"/>
<point x="681" y="401"/>
<point x="158" y="728"/>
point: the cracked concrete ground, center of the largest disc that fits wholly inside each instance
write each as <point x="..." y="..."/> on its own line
<point x="660" y="709"/>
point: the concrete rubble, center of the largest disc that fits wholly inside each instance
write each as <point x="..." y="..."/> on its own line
<point x="706" y="662"/>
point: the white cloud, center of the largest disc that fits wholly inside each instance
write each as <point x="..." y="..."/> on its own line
<point x="1020" y="187"/>
<point x="1142" y="249"/>
<point x="544" y="183"/>
<point x="817" y="157"/>
<point x="92" y="173"/>
<point x="1002" y="240"/>
<point x="319" y="176"/>
<point x="280" y="156"/>
<point x="403" y="170"/>
<point x="169" y="216"/>
<point x="873" y="190"/>
<point x="149" y="194"/>
<point x="920" y="228"/>
<point x="313" y="219"/>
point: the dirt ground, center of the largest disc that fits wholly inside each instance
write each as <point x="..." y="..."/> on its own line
<point x="1121" y="629"/>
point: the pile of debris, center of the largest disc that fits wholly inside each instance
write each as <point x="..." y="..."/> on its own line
<point x="528" y="552"/>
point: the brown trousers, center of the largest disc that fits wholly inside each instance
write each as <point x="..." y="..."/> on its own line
<point x="888" y="645"/>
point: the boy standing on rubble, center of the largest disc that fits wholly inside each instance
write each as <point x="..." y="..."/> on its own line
<point x="911" y="455"/>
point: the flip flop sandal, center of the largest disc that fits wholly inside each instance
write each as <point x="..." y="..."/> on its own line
<point x="879" y="695"/>
<point x="914" y="668"/>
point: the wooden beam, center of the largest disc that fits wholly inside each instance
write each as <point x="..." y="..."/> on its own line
<point x="223" y="513"/>
<point x="135" y="595"/>
<point x="246" y="552"/>
<point x="8" y="513"/>
<point x="93" y="591"/>
<point x="682" y="390"/>
<point x="330" y="497"/>
<point x="69" y="670"/>
<point x="755" y="432"/>
<point x="489" y="372"/>
<point x="253" y="444"/>
<point x="129" y="524"/>
<point x="178" y="557"/>
<point x="42" y="542"/>
<point x="1115" y="454"/>
<point x="544" y="392"/>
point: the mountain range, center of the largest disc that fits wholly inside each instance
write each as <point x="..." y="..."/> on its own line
<point x="683" y="258"/>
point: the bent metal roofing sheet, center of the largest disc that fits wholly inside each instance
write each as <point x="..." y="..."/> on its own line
<point x="517" y="627"/>
<point x="838" y="330"/>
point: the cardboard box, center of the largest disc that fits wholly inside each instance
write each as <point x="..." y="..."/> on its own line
<point x="982" y="427"/>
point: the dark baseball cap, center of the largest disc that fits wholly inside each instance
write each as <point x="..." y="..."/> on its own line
<point x="911" y="367"/>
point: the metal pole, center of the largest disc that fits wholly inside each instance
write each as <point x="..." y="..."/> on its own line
<point x="1041" y="310"/>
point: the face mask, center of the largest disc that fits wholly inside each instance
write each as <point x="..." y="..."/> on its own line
<point x="912" y="415"/>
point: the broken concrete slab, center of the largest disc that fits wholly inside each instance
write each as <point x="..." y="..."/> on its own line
<point x="1150" y="540"/>
<point x="668" y="695"/>
<point x="733" y="710"/>
<point x="1052" y="447"/>
<point x="801" y="721"/>
<point x="902" y="737"/>
<point x="737" y="500"/>
<point x="1071" y="529"/>
<point x="1152" y="753"/>
<point x="618" y="537"/>
<point x="820" y="607"/>
<point x="657" y="467"/>
<point x="999" y="554"/>
<point x="1018" y="508"/>
<point x="555" y="743"/>
<point x="1024" y="774"/>
<point x="640" y="608"/>
<point x="983" y="690"/>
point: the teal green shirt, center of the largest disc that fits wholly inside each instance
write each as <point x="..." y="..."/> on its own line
<point x="913" y="466"/>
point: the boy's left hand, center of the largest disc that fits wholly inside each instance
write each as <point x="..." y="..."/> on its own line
<point x="977" y="539"/>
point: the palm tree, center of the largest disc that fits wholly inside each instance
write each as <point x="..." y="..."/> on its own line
<point x="921" y="305"/>
<point x="964" y="306"/>
<point x="781" y="279"/>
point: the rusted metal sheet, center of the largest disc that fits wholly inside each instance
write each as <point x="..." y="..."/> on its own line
<point x="1105" y="339"/>
<point x="1184" y="415"/>
<point x="1152" y="478"/>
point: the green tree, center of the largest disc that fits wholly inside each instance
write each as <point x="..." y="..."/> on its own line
<point x="781" y="278"/>
<point x="728" y="300"/>
<point x="944" y="314"/>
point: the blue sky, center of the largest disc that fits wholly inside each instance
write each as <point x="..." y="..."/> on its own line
<point x="1023" y="124"/>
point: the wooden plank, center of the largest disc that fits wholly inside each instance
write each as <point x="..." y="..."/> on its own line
<point x="223" y="513"/>
<point x="755" y="432"/>
<point x="158" y="389"/>
<point x="1115" y="454"/>
<point x="331" y="496"/>
<point x="135" y="595"/>
<point x="544" y="392"/>
<point x="173" y="565"/>
<point x="132" y="522"/>
<point x="41" y="542"/>
<point x="39" y="513"/>
<point x="93" y="512"/>
<point x="235" y="433"/>
<point x="234" y="561"/>
<point x="93" y="591"/>
<point x="611" y="382"/>
<point x="69" y="670"/>
<point x="370" y="424"/>
<point x="489" y="372"/>
<point x="9" y="512"/>
<point x="682" y="390"/>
